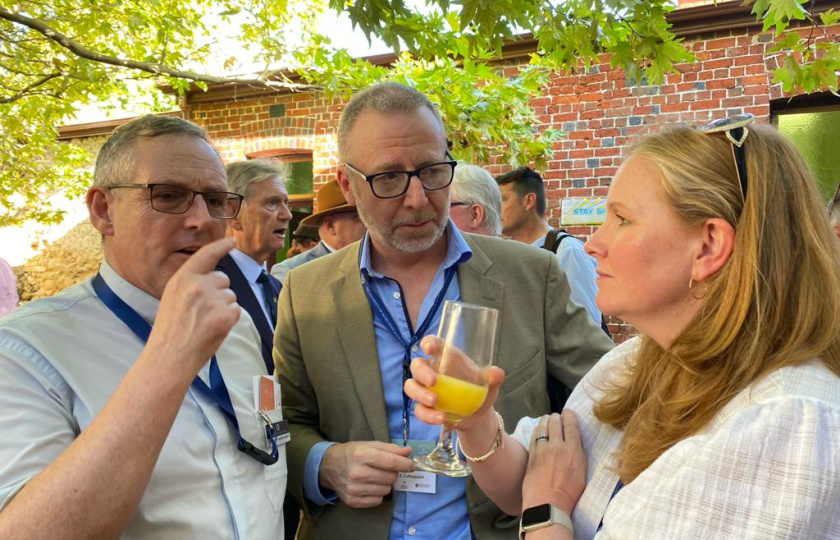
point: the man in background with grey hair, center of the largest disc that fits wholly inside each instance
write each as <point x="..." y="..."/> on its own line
<point x="259" y="230"/>
<point x="128" y="400"/>
<point x="476" y="202"/>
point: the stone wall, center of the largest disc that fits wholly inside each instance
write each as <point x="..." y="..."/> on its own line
<point x="71" y="259"/>
<point x="53" y="257"/>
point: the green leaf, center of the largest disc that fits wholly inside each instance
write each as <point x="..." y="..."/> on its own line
<point x="829" y="17"/>
<point x="779" y="13"/>
<point x="454" y="57"/>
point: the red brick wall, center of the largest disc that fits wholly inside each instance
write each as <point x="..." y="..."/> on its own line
<point x="240" y="127"/>
<point x="601" y="113"/>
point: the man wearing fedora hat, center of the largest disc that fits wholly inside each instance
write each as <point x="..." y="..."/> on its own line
<point x="303" y="239"/>
<point x="338" y="226"/>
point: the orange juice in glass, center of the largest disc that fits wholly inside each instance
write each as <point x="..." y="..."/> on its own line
<point x="469" y="338"/>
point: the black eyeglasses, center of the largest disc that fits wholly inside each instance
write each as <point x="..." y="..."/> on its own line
<point x="453" y="204"/>
<point x="387" y="185"/>
<point x="735" y="130"/>
<point x="170" y="199"/>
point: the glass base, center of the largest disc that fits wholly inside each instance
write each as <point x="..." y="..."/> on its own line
<point x="439" y="461"/>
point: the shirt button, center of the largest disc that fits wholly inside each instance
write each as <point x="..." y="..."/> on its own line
<point x="412" y="531"/>
<point x="414" y="349"/>
<point x="397" y="295"/>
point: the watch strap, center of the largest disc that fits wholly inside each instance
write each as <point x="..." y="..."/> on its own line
<point x="556" y="516"/>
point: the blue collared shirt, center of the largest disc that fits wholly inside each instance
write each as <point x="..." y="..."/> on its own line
<point x="580" y="271"/>
<point x="443" y="515"/>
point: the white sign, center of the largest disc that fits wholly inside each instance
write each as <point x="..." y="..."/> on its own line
<point x="583" y="211"/>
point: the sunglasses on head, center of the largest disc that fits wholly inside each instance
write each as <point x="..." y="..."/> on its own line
<point x="736" y="131"/>
<point x="834" y="202"/>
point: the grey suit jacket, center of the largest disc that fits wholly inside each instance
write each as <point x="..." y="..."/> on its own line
<point x="280" y="269"/>
<point x="327" y="363"/>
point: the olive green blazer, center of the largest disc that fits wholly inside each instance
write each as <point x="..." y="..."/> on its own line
<point x="328" y="368"/>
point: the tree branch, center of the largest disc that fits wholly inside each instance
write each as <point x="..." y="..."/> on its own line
<point x="43" y="80"/>
<point x="148" y="67"/>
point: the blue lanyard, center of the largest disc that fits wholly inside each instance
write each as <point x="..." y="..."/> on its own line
<point x="617" y="488"/>
<point x="217" y="391"/>
<point x="376" y="303"/>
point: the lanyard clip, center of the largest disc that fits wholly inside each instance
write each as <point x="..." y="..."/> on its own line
<point x="263" y="457"/>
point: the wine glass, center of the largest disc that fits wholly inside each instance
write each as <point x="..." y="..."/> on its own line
<point x="469" y="339"/>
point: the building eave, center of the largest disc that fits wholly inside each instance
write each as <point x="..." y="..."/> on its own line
<point x="95" y="129"/>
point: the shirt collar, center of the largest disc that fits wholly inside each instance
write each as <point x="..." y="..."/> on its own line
<point x="142" y="302"/>
<point x="457" y="250"/>
<point x="250" y="268"/>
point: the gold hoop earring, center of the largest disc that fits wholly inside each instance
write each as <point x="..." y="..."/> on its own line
<point x="691" y="287"/>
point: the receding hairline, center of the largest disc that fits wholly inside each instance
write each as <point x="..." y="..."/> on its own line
<point x="115" y="158"/>
<point x="384" y="99"/>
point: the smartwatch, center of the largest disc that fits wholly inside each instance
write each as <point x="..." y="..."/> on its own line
<point x="541" y="516"/>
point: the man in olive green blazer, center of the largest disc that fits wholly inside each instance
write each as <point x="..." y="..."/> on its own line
<point x="352" y="434"/>
<point x="327" y="363"/>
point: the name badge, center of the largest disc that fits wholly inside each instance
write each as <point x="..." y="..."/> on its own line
<point x="267" y="405"/>
<point x="275" y="428"/>
<point x="416" y="482"/>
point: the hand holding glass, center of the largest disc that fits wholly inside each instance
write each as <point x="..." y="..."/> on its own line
<point x="469" y="338"/>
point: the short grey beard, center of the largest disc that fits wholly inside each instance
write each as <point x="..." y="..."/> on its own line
<point x="389" y="239"/>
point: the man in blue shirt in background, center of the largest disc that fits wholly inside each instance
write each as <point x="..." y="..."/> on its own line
<point x="523" y="219"/>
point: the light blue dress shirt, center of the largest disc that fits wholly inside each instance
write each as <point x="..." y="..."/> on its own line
<point x="61" y="359"/>
<point x="580" y="271"/>
<point x="443" y="515"/>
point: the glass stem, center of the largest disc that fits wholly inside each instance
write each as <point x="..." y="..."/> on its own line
<point x="446" y="437"/>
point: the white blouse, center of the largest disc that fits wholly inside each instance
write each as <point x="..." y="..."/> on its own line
<point x="766" y="467"/>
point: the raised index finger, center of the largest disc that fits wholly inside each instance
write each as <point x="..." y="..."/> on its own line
<point x="205" y="259"/>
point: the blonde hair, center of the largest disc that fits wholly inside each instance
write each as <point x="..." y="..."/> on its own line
<point x="775" y="303"/>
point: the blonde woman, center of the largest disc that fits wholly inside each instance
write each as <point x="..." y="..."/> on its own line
<point x="722" y="420"/>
